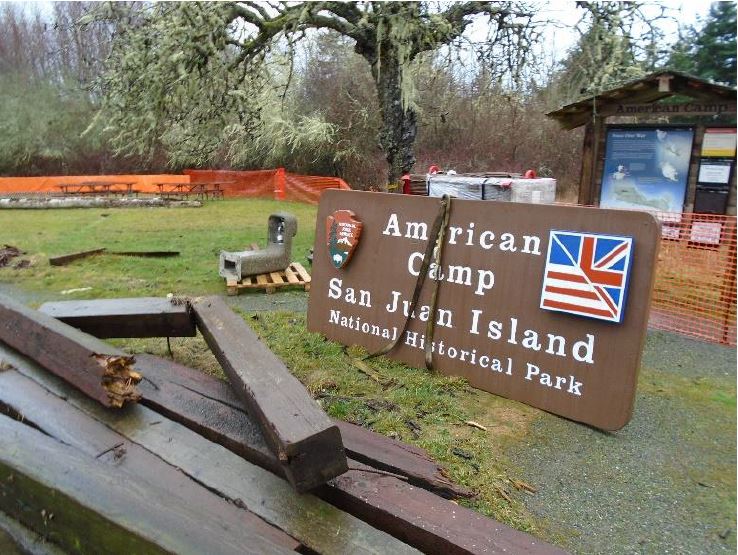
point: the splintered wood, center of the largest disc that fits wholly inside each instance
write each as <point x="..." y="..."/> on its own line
<point x="101" y="371"/>
<point x="119" y="378"/>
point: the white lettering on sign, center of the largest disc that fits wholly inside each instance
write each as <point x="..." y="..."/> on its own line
<point x="480" y="279"/>
<point x="509" y="331"/>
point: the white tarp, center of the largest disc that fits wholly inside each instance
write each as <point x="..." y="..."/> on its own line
<point x="470" y="188"/>
<point x="515" y="189"/>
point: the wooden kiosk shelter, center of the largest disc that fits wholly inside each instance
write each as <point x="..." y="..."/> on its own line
<point x="645" y="111"/>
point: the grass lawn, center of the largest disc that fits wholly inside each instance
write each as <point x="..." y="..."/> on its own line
<point x="690" y="408"/>
<point x="199" y="234"/>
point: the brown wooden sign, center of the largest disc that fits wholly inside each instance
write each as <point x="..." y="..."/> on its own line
<point x="685" y="108"/>
<point x="547" y="305"/>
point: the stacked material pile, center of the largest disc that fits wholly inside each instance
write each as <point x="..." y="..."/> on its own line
<point x="104" y="452"/>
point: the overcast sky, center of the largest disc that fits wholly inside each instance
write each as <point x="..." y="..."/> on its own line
<point x="561" y="37"/>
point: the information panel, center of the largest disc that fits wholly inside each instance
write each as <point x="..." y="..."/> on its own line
<point x="646" y="168"/>
<point x="544" y="304"/>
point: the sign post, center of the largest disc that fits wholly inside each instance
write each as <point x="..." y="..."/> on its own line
<point x="547" y="305"/>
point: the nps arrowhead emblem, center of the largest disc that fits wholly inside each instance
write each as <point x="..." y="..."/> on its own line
<point x="342" y="231"/>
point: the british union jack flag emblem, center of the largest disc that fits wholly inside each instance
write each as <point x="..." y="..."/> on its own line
<point x="587" y="274"/>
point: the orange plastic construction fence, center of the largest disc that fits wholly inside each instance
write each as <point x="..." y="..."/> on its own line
<point x="277" y="183"/>
<point x="695" y="286"/>
<point x="52" y="183"/>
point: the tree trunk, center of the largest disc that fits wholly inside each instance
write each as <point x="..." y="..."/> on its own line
<point x="399" y="124"/>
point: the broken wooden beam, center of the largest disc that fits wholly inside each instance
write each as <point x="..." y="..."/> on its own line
<point x="29" y="402"/>
<point x="137" y="317"/>
<point x="305" y="441"/>
<point x="86" y="506"/>
<point x="317" y="525"/>
<point x="65" y="259"/>
<point x="101" y="371"/>
<point x="385" y="500"/>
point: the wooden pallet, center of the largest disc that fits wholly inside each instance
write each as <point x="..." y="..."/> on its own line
<point x="294" y="275"/>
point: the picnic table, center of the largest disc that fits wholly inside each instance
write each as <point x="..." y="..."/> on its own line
<point x="104" y="188"/>
<point x="185" y="189"/>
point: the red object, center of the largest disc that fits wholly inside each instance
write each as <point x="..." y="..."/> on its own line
<point x="433" y="169"/>
<point x="530" y="174"/>
<point x="406" y="184"/>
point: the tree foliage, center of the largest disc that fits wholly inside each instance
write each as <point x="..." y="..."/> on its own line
<point x="709" y="52"/>
<point x="46" y="62"/>
<point x="618" y="42"/>
<point x="213" y="60"/>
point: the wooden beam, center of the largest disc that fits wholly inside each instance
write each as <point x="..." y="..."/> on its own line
<point x="138" y="317"/>
<point x="84" y="506"/>
<point x="385" y="500"/>
<point x="101" y="371"/>
<point x="429" y="522"/>
<point x="399" y="458"/>
<point x="585" y="175"/>
<point x="28" y="401"/>
<point x="302" y="436"/>
<point x="65" y="259"/>
<point x="207" y="405"/>
<point x="317" y="525"/>
<point x="146" y="254"/>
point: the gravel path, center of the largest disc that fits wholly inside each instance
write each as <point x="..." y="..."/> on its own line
<point x="663" y="484"/>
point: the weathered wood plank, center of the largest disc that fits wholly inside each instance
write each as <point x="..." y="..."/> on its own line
<point x="399" y="458"/>
<point x="64" y="259"/>
<point x="316" y="524"/>
<point x="302" y="436"/>
<point x="207" y="405"/>
<point x="84" y="507"/>
<point x="101" y="371"/>
<point x="137" y="317"/>
<point x="433" y="524"/>
<point x="24" y="399"/>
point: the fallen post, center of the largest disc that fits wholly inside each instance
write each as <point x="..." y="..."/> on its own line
<point x="138" y="317"/>
<point x="307" y="444"/>
<point x="388" y="502"/>
<point x="99" y="370"/>
<point x="65" y="259"/>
